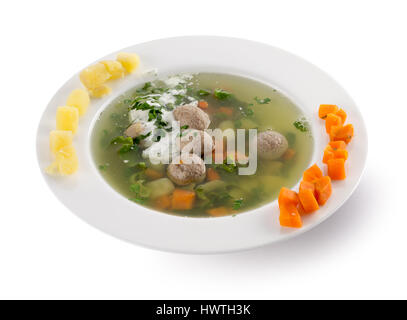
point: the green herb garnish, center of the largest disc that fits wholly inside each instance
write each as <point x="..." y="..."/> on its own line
<point x="203" y="93"/>
<point x="221" y="94"/>
<point x="262" y="101"/>
<point x="141" y="137"/>
<point x="302" y="125"/>
<point x="237" y="204"/>
<point x="103" y="167"/>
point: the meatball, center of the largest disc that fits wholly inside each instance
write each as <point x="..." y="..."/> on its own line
<point x="182" y="173"/>
<point x="192" y="116"/>
<point x="134" y="130"/>
<point x="196" y="141"/>
<point x="271" y="145"/>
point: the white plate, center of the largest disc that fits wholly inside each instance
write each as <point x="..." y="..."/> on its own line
<point x="88" y="195"/>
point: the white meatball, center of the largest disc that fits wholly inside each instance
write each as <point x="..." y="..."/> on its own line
<point x="187" y="172"/>
<point x="196" y="141"/>
<point x="191" y="116"/>
<point x="271" y="145"/>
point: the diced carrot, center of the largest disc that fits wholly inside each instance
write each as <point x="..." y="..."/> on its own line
<point x="323" y="189"/>
<point x="301" y="210"/>
<point x="337" y="145"/>
<point x="203" y="104"/>
<point x="324" y="109"/>
<point x="306" y="185"/>
<point x="341" y="154"/>
<point x="341" y="113"/>
<point x="328" y="154"/>
<point x="332" y="120"/>
<point x="308" y="201"/>
<point x="287" y="196"/>
<point x="163" y="202"/>
<point x="289" y="216"/>
<point x="153" y="174"/>
<point x="212" y="174"/>
<point x="336" y="169"/>
<point x="342" y="133"/>
<point x="312" y="174"/>
<point x="218" y="212"/>
<point x="289" y="154"/>
<point x="182" y="199"/>
<point x="226" y="110"/>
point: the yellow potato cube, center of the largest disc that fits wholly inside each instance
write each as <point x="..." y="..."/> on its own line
<point x="115" y="68"/>
<point x="130" y="61"/>
<point x="59" y="139"/>
<point x="67" y="118"/>
<point x="79" y="98"/>
<point x="67" y="160"/>
<point x="100" y="91"/>
<point x="94" y="76"/>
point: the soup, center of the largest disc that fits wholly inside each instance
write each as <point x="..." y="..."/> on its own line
<point x="135" y="125"/>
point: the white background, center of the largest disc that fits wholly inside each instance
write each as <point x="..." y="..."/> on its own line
<point x="360" y="252"/>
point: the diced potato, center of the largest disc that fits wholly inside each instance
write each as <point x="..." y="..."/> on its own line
<point x="59" y="139"/>
<point x="130" y="61"/>
<point x="115" y="68"/>
<point x="67" y="160"/>
<point x="248" y="124"/>
<point x="94" y="76"/>
<point x="67" y="118"/>
<point x="160" y="187"/>
<point x="101" y="91"/>
<point x="212" y="185"/>
<point x="227" y="124"/>
<point x="79" y="98"/>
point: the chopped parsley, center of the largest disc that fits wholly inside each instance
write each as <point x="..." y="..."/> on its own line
<point x="302" y="125"/>
<point x="237" y="204"/>
<point x="221" y="94"/>
<point x="203" y="93"/>
<point x="262" y="101"/>
<point x="103" y="167"/>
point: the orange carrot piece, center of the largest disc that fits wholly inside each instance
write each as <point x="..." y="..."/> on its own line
<point x="332" y="120"/>
<point x="306" y="185"/>
<point x="287" y="196"/>
<point x="212" y="175"/>
<point x="153" y="174"/>
<point x="341" y="113"/>
<point x="203" y="104"/>
<point x="341" y="154"/>
<point x="289" y="216"/>
<point x="336" y="169"/>
<point x="324" y="109"/>
<point x="342" y="133"/>
<point x="218" y="212"/>
<point x="323" y="190"/>
<point x="337" y="145"/>
<point x="182" y="199"/>
<point x="308" y="201"/>
<point x="289" y="154"/>
<point x="328" y="154"/>
<point x="226" y="110"/>
<point x="312" y="174"/>
<point x="163" y="202"/>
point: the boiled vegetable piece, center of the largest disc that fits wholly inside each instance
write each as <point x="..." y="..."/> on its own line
<point x="226" y="110"/>
<point x="341" y="153"/>
<point x="287" y="196"/>
<point x="336" y="169"/>
<point x="218" y="212"/>
<point x="212" y="175"/>
<point x="337" y="145"/>
<point x="212" y="186"/>
<point x="289" y="216"/>
<point x="79" y="98"/>
<point x="332" y="120"/>
<point x="94" y="76"/>
<point x="163" y="202"/>
<point x="341" y="113"/>
<point x="323" y="189"/>
<point x="130" y="61"/>
<point x="308" y="200"/>
<point x="182" y="199"/>
<point x="160" y="187"/>
<point x="153" y="174"/>
<point x="306" y="185"/>
<point x="289" y="154"/>
<point x="312" y="174"/>
<point x="342" y="133"/>
<point x="67" y="118"/>
<point x="325" y="109"/>
<point x="227" y="124"/>
<point x="203" y="104"/>
<point x="328" y="154"/>
<point x="100" y="91"/>
<point x="67" y="160"/>
<point x="59" y="139"/>
<point x="115" y="68"/>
